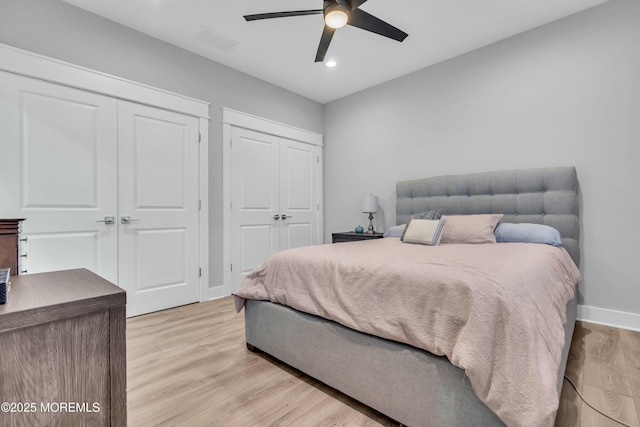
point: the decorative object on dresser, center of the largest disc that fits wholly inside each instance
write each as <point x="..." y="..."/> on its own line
<point x="63" y="343"/>
<point x="352" y="236"/>
<point x="370" y="206"/>
<point x="10" y="244"/>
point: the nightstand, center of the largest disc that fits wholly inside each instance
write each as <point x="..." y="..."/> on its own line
<point x="352" y="236"/>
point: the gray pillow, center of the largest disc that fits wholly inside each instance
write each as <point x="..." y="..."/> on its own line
<point x="432" y="214"/>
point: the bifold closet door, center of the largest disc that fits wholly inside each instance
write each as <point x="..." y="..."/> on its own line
<point x="59" y="171"/>
<point x="274" y="198"/>
<point x="104" y="184"/>
<point x="158" y="253"/>
<point x="299" y="194"/>
<point x="255" y="206"/>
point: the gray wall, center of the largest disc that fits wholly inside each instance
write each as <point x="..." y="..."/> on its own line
<point x="564" y="94"/>
<point x="567" y="93"/>
<point x="59" y="30"/>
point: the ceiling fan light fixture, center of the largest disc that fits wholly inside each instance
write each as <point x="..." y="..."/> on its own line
<point x="336" y="16"/>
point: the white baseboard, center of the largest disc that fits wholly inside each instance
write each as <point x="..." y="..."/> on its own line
<point x="216" y="292"/>
<point x="614" y="318"/>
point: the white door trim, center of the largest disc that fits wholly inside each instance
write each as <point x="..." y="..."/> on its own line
<point x="203" y="217"/>
<point x="22" y="62"/>
<point x="248" y="121"/>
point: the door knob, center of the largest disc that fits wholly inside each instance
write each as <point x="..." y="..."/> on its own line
<point x="284" y="216"/>
<point x="128" y="219"/>
<point x="276" y="217"/>
<point x="106" y="220"/>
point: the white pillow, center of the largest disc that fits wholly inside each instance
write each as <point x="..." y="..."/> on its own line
<point x="423" y="231"/>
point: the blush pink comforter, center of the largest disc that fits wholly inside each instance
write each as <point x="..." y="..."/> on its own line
<point x="495" y="310"/>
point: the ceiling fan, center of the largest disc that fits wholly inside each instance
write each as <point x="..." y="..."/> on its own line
<point x="337" y="14"/>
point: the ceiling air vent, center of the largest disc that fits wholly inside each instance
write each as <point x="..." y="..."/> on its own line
<point x="211" y="38"/>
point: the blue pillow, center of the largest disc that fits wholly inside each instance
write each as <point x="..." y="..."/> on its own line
<point x="395" y="231"/>
<point x="527" y="233"/>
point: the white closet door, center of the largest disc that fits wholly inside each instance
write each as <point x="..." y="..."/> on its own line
<point x="299" y="194"/>
<point x="255" y="175"/>
<point x="158" y="192"/>
<point x="59" y="160"/>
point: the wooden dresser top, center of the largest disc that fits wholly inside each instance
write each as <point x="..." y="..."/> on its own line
<point x="45" y="297"/>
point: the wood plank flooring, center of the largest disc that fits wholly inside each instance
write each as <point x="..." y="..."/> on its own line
<point x="189" y="366"/>
<point x="604" y="364"/>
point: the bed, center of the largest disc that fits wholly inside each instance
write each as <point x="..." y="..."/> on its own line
<point x="410" y="385"/>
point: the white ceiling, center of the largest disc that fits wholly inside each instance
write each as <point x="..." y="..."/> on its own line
<point x="282" y="51"/>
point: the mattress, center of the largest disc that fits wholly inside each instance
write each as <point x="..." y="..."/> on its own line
<point x="501" y="322"/>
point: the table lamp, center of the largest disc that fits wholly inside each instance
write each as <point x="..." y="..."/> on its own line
<point x="370" y="206"/>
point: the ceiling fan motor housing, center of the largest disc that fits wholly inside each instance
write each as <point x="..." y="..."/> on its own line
<point x="336" y="6"/>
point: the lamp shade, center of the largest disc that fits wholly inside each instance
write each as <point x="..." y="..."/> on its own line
<point x="370" y="203"/>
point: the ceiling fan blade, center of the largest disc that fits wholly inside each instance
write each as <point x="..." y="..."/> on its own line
<point x="282" y="14"/>
<point x="361" y="19"/>
<point x="325" y="40"/>
<point x="356" y="4"/>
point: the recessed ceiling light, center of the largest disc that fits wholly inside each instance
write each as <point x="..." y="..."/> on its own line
<point x="331" y="64"/>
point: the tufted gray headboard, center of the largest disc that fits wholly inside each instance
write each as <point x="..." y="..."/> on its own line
<point x="543" y="196"/>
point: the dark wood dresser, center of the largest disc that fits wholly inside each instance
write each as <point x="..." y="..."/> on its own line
<point x="10" y="244"/>
<point x="63" y="351"/>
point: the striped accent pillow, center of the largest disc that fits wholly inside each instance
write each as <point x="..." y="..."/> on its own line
<point x="423" y="231"/>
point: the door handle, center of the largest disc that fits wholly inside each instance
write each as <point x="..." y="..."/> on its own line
<point x="128" y="219"/>
<point x="284" y="216"/>
<point x="107" y="220"/>
<point x="276" y="217"/>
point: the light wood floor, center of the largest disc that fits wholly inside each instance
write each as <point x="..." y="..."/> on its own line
<point x="189" y="366"/>
<point x="604" y="364"/>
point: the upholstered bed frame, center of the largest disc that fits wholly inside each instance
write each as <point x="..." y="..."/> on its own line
<point x="410" y="385"/>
